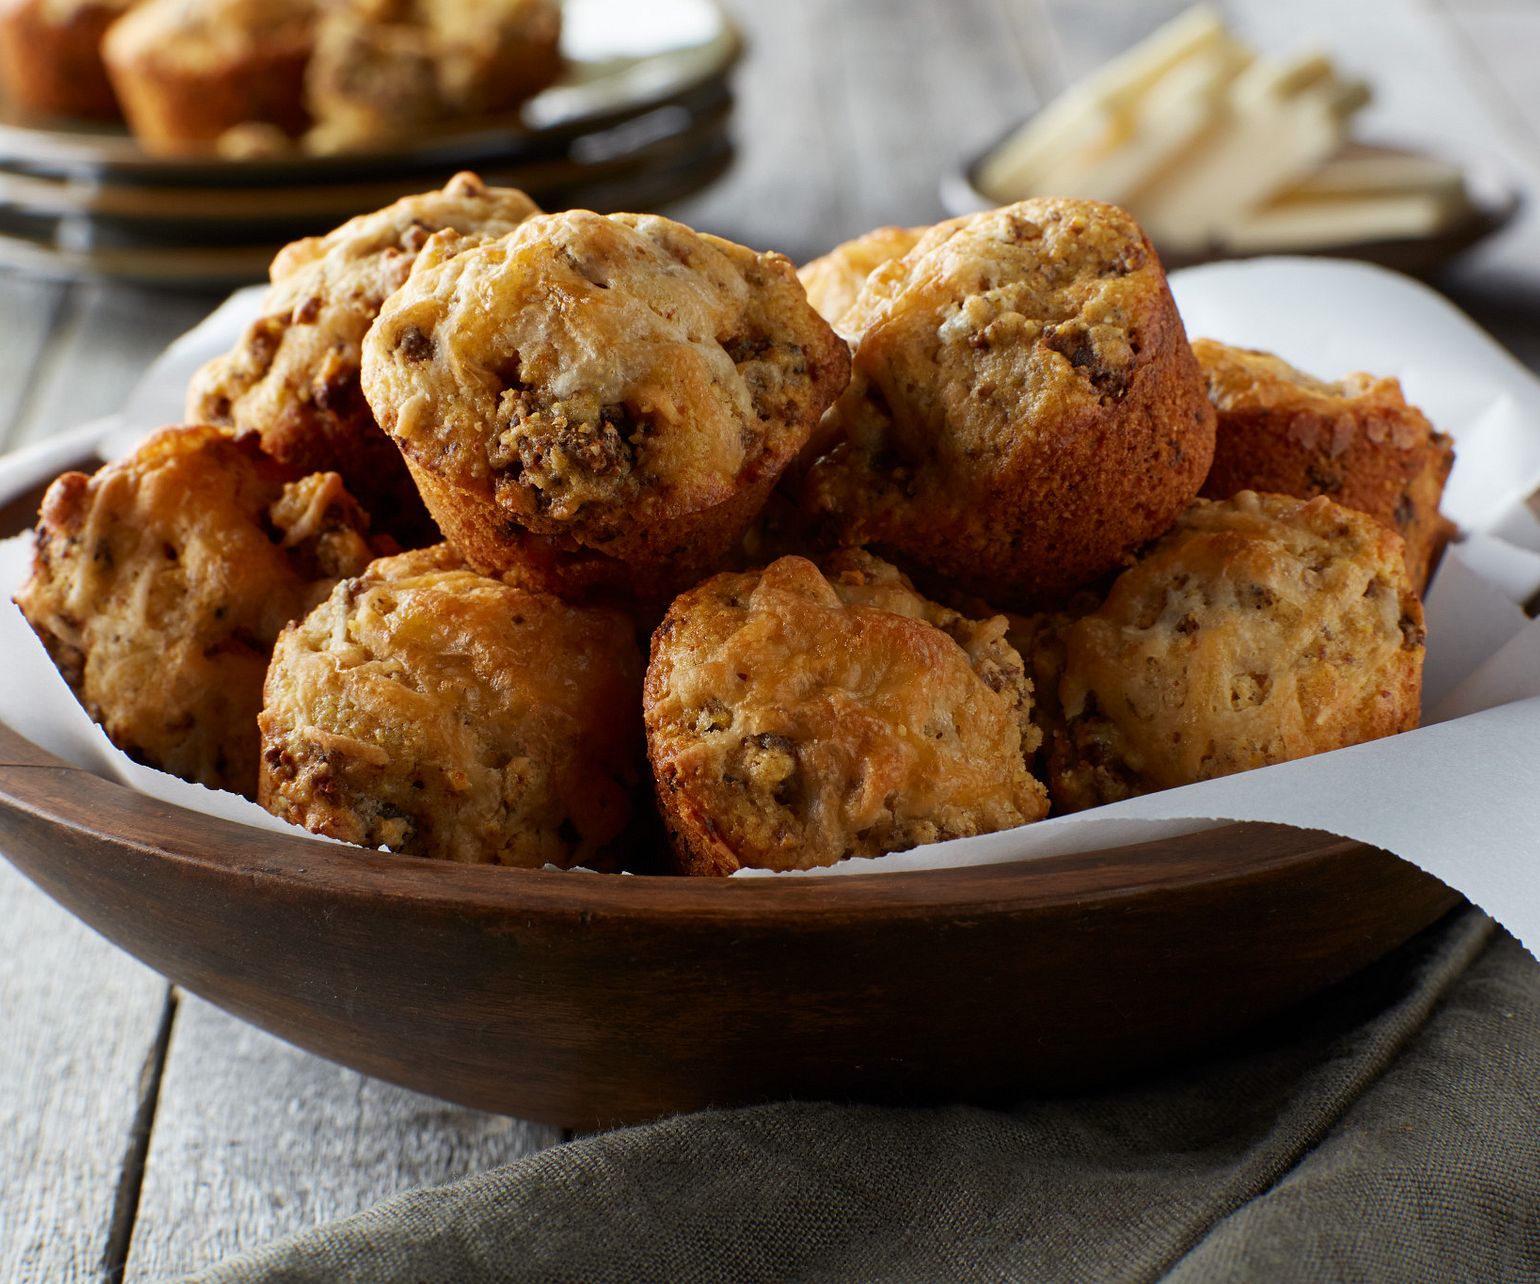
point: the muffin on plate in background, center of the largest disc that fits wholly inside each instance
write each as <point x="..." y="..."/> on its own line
<point x="51" y="56"/>
<point x="186" y="71"/>
<point x="159" y="584"/>
<point x="600" y="404"/>
<point x="436" y="712"/>
<point x="1356" y="441"/>
<point x="1024" y="411"/>
<point x="387" y="68"/>
<point x="293" y="377"/>
<point x="798" y="716"/>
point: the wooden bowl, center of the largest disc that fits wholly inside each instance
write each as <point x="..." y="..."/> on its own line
<point x="588" y="1000"/>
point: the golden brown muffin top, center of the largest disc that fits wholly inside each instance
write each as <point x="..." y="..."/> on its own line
<point x="440" y="713"/>
<point x="1242" y="380"/>
<point x="325" y="293"/>
<point x="994" y="324"/>
<point x="795" y="719"/>
<point x="196" y="34"/>
<point x="834" y="280"/>
<point x="1261" y="629"/>
<point x="594" y="371"/>
<point x="160" y="583"/>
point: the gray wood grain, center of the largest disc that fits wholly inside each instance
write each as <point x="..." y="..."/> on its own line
<point x="254" y="1139"/>
<point x="27" y="313"/>
<point x="81" y="1020"/>
<point x="103" y="338"/>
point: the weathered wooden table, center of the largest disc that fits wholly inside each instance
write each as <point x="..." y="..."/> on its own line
<point x="143" y="1133"/>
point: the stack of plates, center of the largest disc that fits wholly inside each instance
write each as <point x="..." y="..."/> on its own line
<point x="639" y="118"/>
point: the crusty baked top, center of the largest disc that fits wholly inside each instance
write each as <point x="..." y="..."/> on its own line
<point x="795" y="719"/>
<point x="593" y="370"/>
<point x="303" y="354"/>
<point x="1243" y="379"/>
<point x="992" y="322"/>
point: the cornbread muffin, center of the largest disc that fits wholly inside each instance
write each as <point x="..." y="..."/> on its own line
<point x="1261" y="629"/>
<point x="50" y="55"/>
<point x="159" y="584"/>
<point x="834" y="281"/>
<point x="433" y="711"/>
<point x="796" y="718"/>
<point x="600" y="403"/>
<point x="1024" y="410"/>
<point x="186" y="71"/>
<point x="1355" y="441"/>
<point x="383" y="68"/>
<point x="293" y="377"/>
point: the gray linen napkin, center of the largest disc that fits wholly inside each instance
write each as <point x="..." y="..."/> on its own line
<point x="1390" y="1131"/>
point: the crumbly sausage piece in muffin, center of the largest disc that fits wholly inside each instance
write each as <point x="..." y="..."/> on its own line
<point x="1261" y="629"/>
<point x="1355" y="441"/>
<point x="834" y="280"/>
<point x="796" y="718"/>
<point x="383" y="68"/>
<point x="293" y="377"/>
<point x="159" y="584"/>
<point x="1024" y="412"/>
<point x="428" y="709"/>
<point x="600" y="403"/>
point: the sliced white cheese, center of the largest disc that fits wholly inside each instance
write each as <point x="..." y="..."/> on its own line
<point x="1283" y="121"/>
<point x="1317" y="222"/>
<point x="1086" y="116"/>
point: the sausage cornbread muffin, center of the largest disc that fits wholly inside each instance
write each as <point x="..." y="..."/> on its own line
<point x="382" y="68"/>
<point x="159" y="584"/>
<point x="1024" y="410"/>
<point x="834" y="280"/>
<point x="1355" y="441"/>
<point x="600" y="403"/>
<point x="51" y="55"/>
<point x="293" y="377"/>
<point x="1261" y="629"/>
<point x="185" y="71"/>
<point x="796" y="718"/>
<point x="436" y="712"/>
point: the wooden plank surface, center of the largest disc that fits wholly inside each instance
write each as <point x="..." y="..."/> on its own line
<point x="101" y="341"/>
<point x="254" y="1139"/>
<point x="80" y="1051"/>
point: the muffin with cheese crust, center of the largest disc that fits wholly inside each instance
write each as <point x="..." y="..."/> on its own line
<point x="796" y="717"/>
<point x="159" y="584"/>
<point x="834" y="280"/>
<point x="600" y="403"/>
<point x="1260" y="629"/>
<point x="434" y="711"/>
<point x="1024" y="411"/>
<point x="1356" y="441"/>
<point x="293" y="377"/>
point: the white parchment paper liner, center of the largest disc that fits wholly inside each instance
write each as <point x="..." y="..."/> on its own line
<point x="1459" y="797"/>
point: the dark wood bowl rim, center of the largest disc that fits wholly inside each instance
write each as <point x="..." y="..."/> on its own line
<point x="96" y="810"/>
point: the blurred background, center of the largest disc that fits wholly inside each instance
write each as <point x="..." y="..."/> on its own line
<point x="1405" y="131"/>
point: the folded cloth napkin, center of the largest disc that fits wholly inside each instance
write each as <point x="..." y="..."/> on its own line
<point x="1390" y="1130"/>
